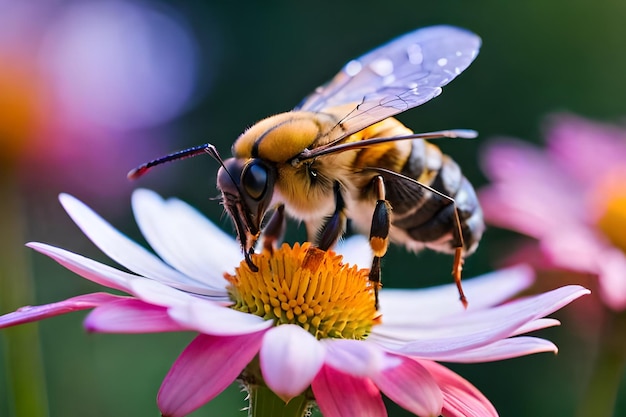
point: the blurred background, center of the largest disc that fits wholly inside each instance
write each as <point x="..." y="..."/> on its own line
<point x="90" y="89"/>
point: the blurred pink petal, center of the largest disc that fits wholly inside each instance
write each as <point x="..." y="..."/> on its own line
<point x="584" y="149"/>
<point x="205" y="368"/>
<point x="613" y="279"/>
<point x="143" y="72"/>
<point x="557" y="195"/>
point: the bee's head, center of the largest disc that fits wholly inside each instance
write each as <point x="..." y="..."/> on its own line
<point x="247" y="187"/>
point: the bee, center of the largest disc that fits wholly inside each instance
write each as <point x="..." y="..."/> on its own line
<point x="340" y="154"/>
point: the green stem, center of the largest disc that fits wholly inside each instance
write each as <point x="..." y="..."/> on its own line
<point x="599" y="400"/>
<point x="264" y="403"/>
<point x="23" y="364"/>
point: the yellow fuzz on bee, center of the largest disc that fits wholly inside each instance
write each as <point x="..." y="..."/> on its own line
<point x="308" y="287"/>
<point x="611" y="207"/>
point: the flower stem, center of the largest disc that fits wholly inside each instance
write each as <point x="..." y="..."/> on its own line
<point x="599" y="400"/>
<point x="21" y="346"/>
<point x="264" y="403"/>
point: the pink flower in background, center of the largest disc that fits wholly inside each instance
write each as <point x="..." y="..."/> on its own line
<point x="570" y="196"/>
<point x="86" y="85"/>
<point x="316" y="328"/>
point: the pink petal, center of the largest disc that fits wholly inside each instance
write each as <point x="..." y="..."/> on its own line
<point x="502" y="349"/>
<point x="527" y="190"/>
<point x="130" y="316"/>
<point x="205" y="368"/>
<point x="211" y="318"/>
<point x="86" y="268"/>
<point x="578" y="248"/>
<point x="583" y="250"/>
<point x="117" y="246"/>
<point x="358" y="358"/>
<point x="460" y="398"/>
<point x="412" y="387"/>
<point x="186" y="239"/>
<point x="341" y="395"/>
<point x="613" y="279"/>
<point x="29" y="314"/>
<point x="401" y="307"/>
<point x="290" y="358"/>
<point x="584" y="148"/>
<point x="529" y="170"/>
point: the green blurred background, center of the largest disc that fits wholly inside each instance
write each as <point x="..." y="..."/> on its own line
<point x="256" y="59"/>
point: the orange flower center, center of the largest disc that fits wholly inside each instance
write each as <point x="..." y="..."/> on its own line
<point x="308" y="287"/>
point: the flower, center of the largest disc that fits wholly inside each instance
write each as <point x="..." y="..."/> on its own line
<point x="571" y="197"/>
<point x="346" y="365"/>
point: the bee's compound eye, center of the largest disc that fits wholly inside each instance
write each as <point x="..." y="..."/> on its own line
<point x="254" y="180"/>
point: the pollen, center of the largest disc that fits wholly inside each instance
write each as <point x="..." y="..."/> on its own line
<point x="308" y="287"/>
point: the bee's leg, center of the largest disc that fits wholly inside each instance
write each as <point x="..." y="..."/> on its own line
<point x="335" y="225"/>
<point x="457" y="266"/>
<point x="379" y="233"/>
<point x="274" y="231"/>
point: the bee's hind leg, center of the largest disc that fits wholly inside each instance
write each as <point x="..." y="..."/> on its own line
<point x="379" y="233"/>
<point x="457" y="266"/>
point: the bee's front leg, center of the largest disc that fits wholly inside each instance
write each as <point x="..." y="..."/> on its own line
<point x="379" y="233"/>
<point x="274" y="231"/>
<point x="335" y="225"/>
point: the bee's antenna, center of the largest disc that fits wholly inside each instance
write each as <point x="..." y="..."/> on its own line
<point x="186" y="153"/>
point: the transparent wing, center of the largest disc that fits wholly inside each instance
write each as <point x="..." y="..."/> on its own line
<point x="397" y="76"/>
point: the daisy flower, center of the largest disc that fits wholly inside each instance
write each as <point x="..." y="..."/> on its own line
<point x="570" y="196"/>
<point x="303" y="326"/>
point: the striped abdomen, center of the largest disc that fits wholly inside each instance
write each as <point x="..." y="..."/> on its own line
<point x="421" y="217"/>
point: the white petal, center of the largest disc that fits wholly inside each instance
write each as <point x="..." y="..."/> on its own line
<point x="537" y="325"/>
<point x="474" y="329"/>
<point x="357" y="358"/>
<point x="356" y="250"/>
<point x="185" y="239"/>
<point x="117" y="246"/>
<point x="211" y="318"/>
<point x="160" y="294"/>
<point x="87" y="268"/>
<point x="429" y="305"/>
<point x="500" y="350"/>
<point x="290" y="358"/>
